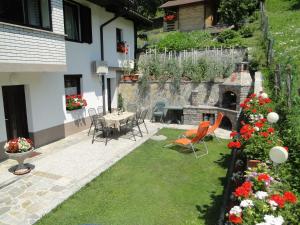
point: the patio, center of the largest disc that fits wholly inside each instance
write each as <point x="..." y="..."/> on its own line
<point x="60" y="170"/>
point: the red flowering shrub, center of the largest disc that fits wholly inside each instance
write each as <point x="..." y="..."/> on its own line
<point x="74" y="102"/>
<point x="290" y="197"/>
<point x="278" y="199"/>
<point x="235" y="219"/>
<point x="234" y="144"/>
<point x="244" y="190"/>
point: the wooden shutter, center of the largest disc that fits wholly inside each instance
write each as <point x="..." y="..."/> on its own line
<point x="86" y="24"/>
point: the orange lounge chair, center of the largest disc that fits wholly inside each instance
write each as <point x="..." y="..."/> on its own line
<point x="211" y="130"/>
<point x="200" y="134"/>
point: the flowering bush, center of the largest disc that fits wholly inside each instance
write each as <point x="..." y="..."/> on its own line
<point x="170" y="17"/>
<point x="263" y="200"/>
<point x="74" y="102"/>
<point x="18" y="145"/>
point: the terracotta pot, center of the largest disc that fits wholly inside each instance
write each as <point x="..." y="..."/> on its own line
<point x="134" y="77"/>
<point x="252" y="163"/>
<point x="126" y="77"/>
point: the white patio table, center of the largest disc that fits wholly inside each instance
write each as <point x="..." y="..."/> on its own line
<point x="113" y="119"/>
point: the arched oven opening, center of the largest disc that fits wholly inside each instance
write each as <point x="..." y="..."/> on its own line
<point x="229" y="100"/>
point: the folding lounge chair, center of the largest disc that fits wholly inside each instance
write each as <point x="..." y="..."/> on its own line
<point x="190" y="143"/>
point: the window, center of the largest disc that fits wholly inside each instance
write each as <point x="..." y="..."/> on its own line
<point x="72" y="84"/>
<point x="119" y="35"/>
<point x="78" y="22"/>
<point x="33" y="13"/>
<point x="121" y="45"/>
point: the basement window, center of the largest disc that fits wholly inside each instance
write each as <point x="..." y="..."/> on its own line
<point x="31" y="13"/>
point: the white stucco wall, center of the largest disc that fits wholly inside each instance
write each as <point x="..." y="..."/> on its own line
<point x="45" y="94"/>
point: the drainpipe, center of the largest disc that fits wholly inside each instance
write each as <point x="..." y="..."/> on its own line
<point x="102" y="58"/>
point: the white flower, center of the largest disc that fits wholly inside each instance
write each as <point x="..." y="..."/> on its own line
<point x="273" y="205"/>
<point x="256" y="128"/>
<point x="272" y="220"/>
<point x="263" y="223"/>
<point x="251" y="116"/>
<point x="246" y="203"/>
<point x="261" y="195"/>
<point x="261" y="116"/>
<point x="236" y="210"/>
<point x="264" y="95"/>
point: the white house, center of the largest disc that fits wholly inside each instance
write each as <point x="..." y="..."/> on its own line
<point x="48" y="48"/>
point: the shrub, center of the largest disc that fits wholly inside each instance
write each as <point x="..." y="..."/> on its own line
<point x="226" y="35"/>
<point x="247" y="31"/>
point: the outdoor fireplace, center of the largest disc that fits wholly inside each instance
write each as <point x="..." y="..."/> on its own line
<point x="229" y="100"/>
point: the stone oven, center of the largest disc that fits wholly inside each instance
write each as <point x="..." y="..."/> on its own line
<point x="232" y="92"/>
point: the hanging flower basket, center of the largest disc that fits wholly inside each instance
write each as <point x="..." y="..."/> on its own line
<point x="19" y="149"/>
<point x="169" y="18"/>
<point x="74" y="102"/>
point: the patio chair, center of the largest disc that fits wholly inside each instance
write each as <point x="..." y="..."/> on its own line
<point x="141" y="120"/>
<point x="130" y="126"/>
<point x="190" y="143"/>
<point x="100" y="110"/>
<point x="158" y="111"/>
<point x="211" y="130"/>
<point x="92" y="112"/>
<point x="100" y="126"/>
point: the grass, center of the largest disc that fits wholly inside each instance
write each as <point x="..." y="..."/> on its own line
<point x="152" y="185"/>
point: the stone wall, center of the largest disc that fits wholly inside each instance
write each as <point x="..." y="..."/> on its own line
<point x="208" y="93"/>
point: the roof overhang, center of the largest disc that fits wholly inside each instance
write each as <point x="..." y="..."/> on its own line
<point x="122" y="8"/>
<point x="175" y="3"/>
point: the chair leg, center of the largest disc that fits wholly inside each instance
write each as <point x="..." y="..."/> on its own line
<point x="192" y="146"/>
<point x="146" y="127"/>
<point x="132" y="131"/>
<point x="90" y="128"/>
<point x="140" y="130"/>
<point x="93" y="136"/>
<point x="206" y="149"/>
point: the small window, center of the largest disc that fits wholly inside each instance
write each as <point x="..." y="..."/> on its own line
<point x="119" y="35"/>
<point x="78" y="22"/>
<point x="121" y="44"/>
<point x="73" y="84"/>
<point x="33" y="13"/>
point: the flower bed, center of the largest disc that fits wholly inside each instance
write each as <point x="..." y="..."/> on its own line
<point x="259" y="195"/>
<point x="74" y="102"/>
<point x="18" y="145"/>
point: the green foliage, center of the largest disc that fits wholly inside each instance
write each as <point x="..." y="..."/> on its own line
<point x="235" y="12"/>
<point x="120" y="102"/>
<point x="227" y="35"/>
<point x="247" y="31"/>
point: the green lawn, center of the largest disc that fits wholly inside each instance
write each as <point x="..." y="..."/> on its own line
<point x="152" y="185"/>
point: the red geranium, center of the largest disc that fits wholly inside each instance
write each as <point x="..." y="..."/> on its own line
<point x="263" y="177"/>
<point x="254" y="110"/>
<point x="244" y="190"/>
<point x="259" y="124"/>
<point x="271" y="130"/>
<point x="264" y="134"/>
<point x="279" y="200"/>
<point x="290" y="197"/>
<point x="235" y="219"/>
<point x="234" y="144"/>
<point x="233" y="134"/>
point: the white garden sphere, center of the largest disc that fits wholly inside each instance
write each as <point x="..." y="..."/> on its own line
<point x="278" y="154"/>
<point x="273" y="117"/>
<point x="264" y="95"/>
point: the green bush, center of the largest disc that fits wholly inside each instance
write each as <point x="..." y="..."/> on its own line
<point x="247" y="31"/>
<point x="227" y="35"/>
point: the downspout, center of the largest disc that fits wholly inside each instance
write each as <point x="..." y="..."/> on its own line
<point x="102" y="59"/>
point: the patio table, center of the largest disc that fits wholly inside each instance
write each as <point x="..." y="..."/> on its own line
<point x="113" y="119"/>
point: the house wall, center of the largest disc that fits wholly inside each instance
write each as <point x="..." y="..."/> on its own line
<point x="27" y="49"/>
<point x="47" y="117"/>
<point x="191" y="17"/>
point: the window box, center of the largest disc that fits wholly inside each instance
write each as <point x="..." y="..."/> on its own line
<point x="169" y="18"/>
<point x="74" y="102"/>
<point x="121" y="47"/>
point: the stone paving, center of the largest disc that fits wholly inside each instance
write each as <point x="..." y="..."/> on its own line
<point x="59" y="171"/>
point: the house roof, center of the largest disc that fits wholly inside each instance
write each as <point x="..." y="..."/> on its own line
<point x="123" y="8"/>
<point x="179" y="2"/>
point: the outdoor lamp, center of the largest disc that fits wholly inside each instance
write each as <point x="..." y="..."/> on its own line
<point x="278" y="154"/>
<point x="264" y="95"/>
<point x="272" y="117"/>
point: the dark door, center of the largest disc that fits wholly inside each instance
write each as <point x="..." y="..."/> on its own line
<point x="109" y="94"/>
<point x="15" y="111"/>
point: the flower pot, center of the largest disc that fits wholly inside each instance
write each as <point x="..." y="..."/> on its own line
<point x="134" y="77"/>
<point x="20" y="157"/>
<point x="252" y="163"/>
<point x="126" y="77"/>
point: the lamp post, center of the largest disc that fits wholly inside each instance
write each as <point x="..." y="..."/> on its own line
<point x="278" y="155"/>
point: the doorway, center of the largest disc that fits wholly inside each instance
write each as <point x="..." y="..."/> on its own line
<point x="15" y="111"/>
<point x="109" y="94"/>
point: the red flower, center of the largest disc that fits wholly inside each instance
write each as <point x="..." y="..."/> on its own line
<point x="78" y="96"/>
<point x="252" y="95"/>
<point x="290" y="197"/>
<point x="263" y="177"/>
<point x="234" y="144"/>
<point x="279" y="200"/>
<point x="242" y="105"/>
<point x="268" y="100"/>
<point x="244" y="190"/>
<point x="286" y="148"/>
<point x="271" y="130"/>
<point x="264" y="134"/>
<point x="263" y="120"/>
<point x="270" y="110"/>
<point x="247" y="184"/>
<point x="259" y="124"/>
<point x="233" y="134"/>
<point x="254" y="110"/>
<point x="235" y="219"/>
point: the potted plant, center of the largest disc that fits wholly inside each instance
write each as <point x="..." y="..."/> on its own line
<point x="19" y="149"/>
<point x="74" y="102"/>
<point x="135" y="77"/>
<point x="127" y="69"/>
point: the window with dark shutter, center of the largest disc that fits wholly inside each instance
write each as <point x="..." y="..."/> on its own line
<point x="86" y="24"/>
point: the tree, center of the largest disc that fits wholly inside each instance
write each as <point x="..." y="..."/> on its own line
<point x="147" y="8"/>
<point x="235" y="12"/>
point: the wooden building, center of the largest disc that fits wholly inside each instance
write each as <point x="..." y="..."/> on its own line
<point x="189" y="15"/>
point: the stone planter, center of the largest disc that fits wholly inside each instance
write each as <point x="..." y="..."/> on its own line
<point x="20" y="157"/>
<point x="252" y="163"/>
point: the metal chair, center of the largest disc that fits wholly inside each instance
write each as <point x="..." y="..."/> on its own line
<point x="100" y="110"/>
<point x="92" y="112"/>
<point x="100" y="126"/>
<point x="141" y="120"/>
<point x="130" y="126"/>
<point x="158" y="111"/>
<point x="131" y="107"/>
